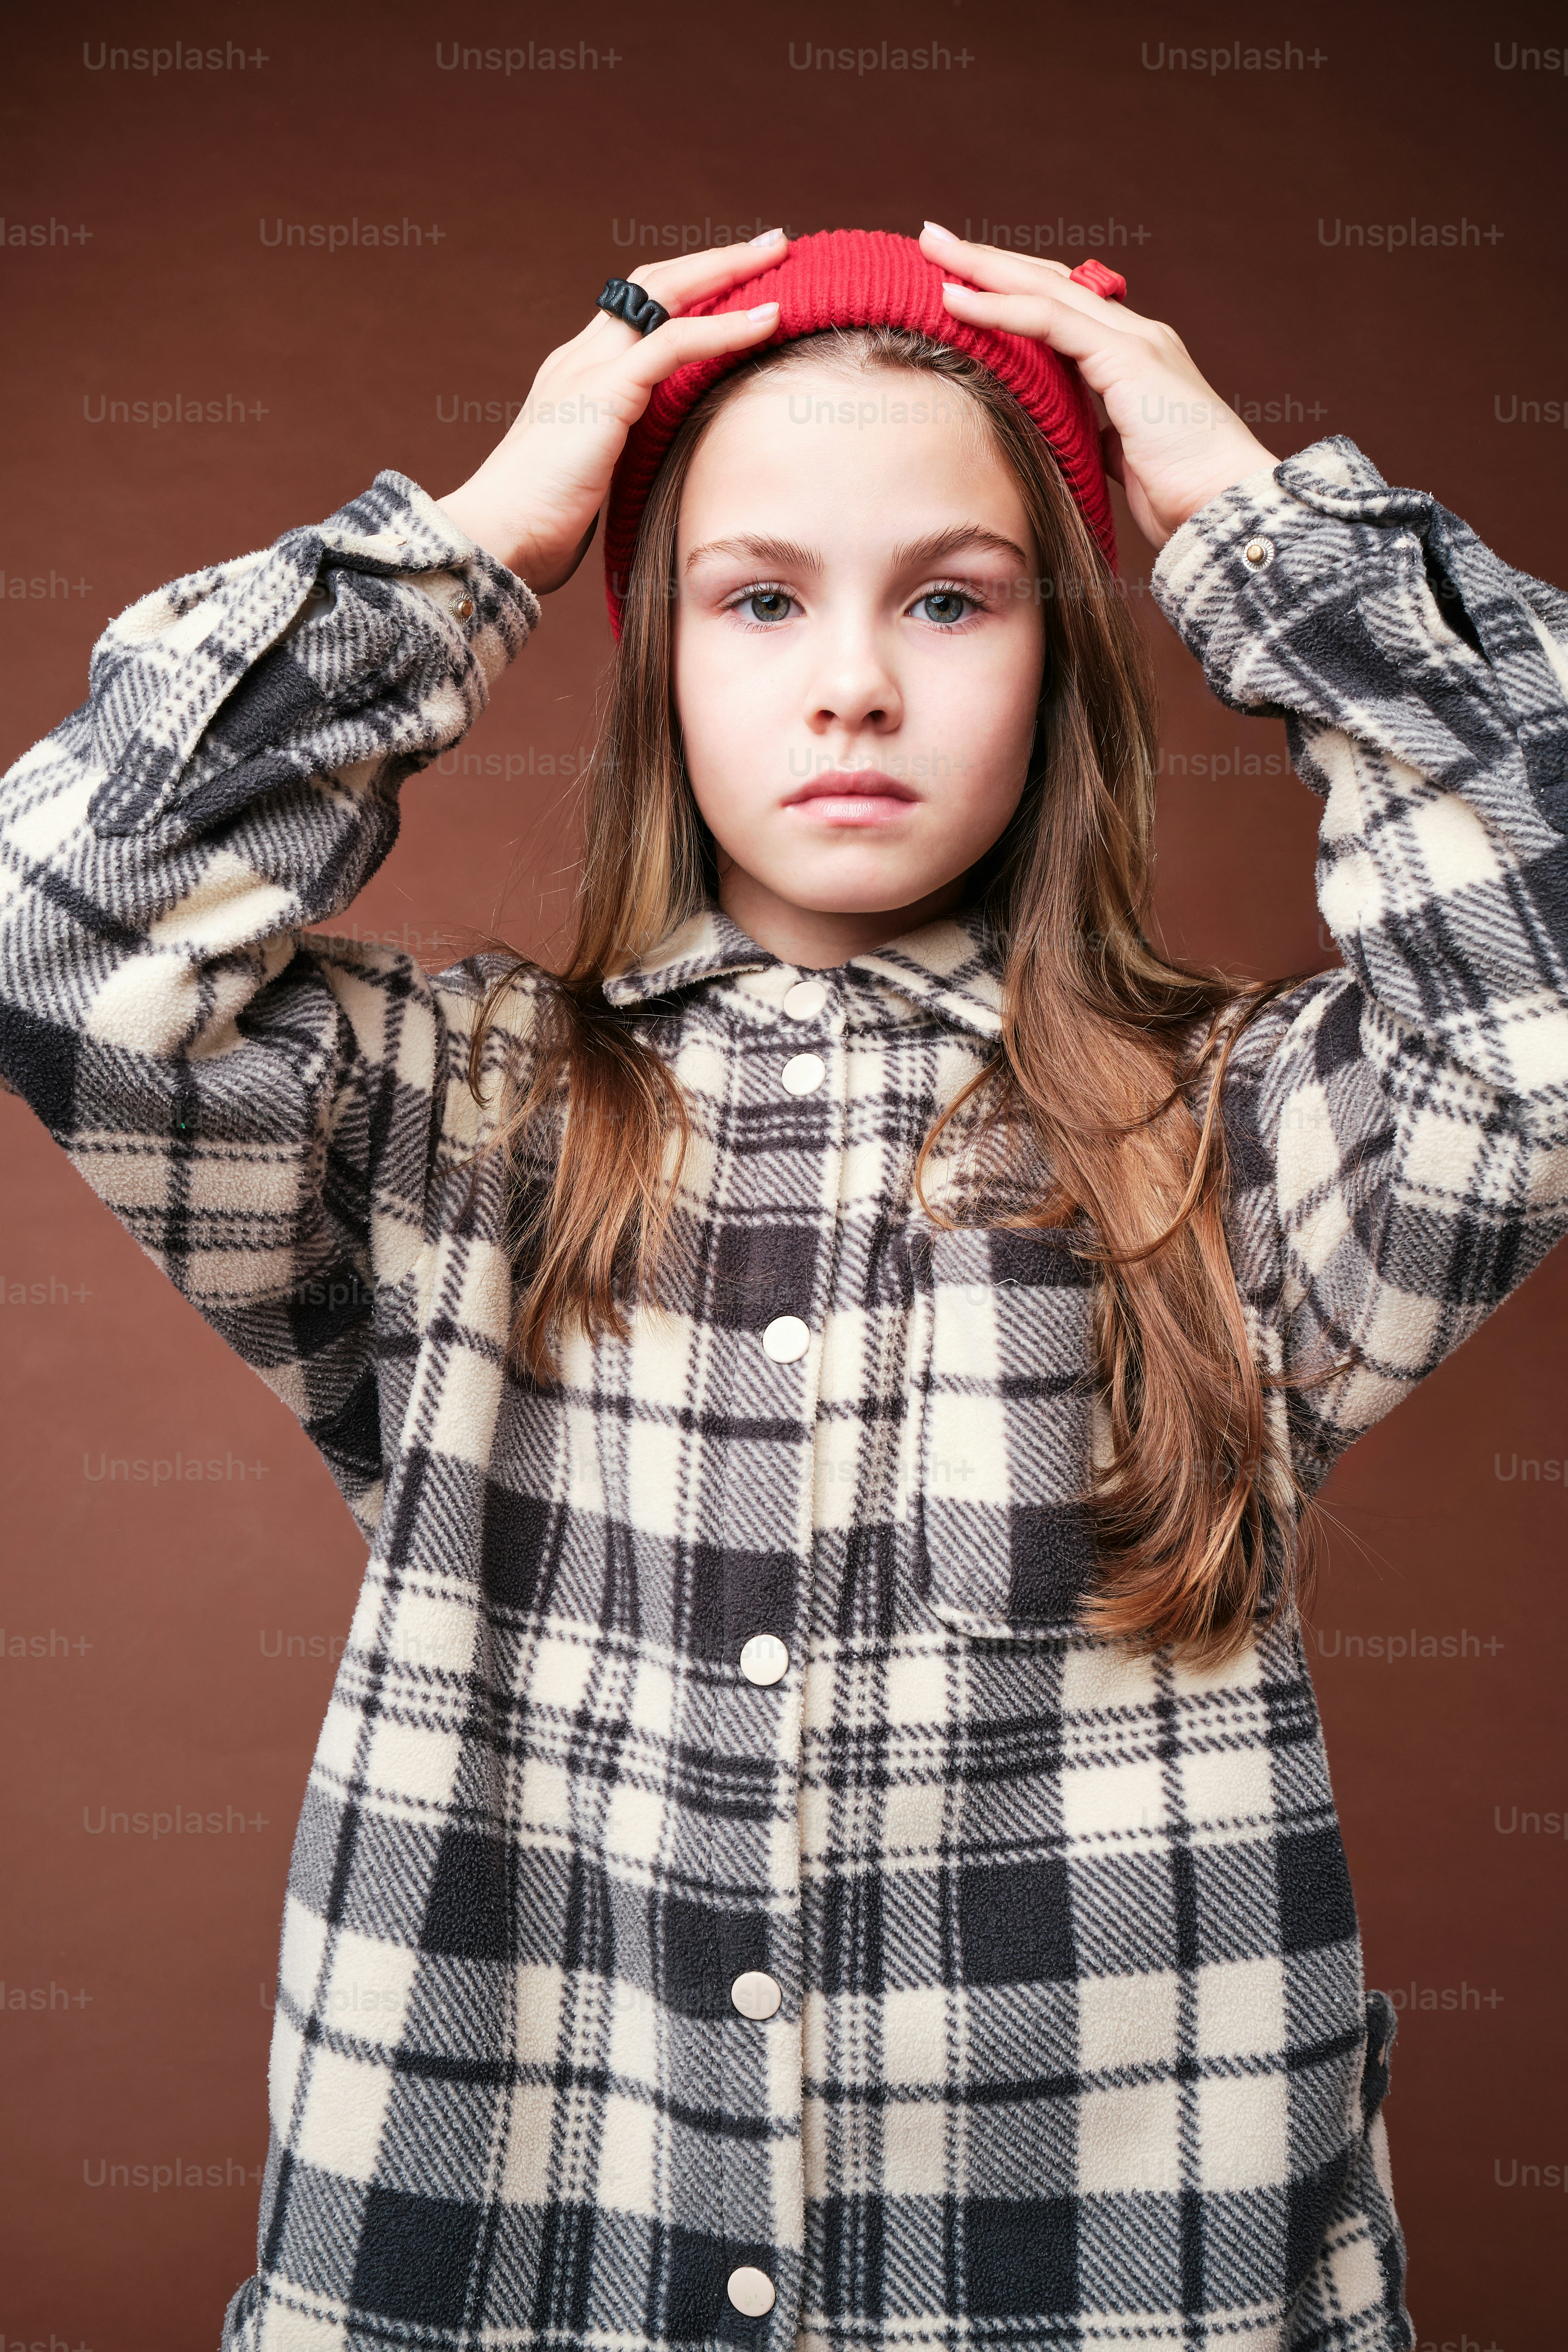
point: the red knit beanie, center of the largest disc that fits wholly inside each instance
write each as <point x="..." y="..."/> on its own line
<point x="860" y="277"/>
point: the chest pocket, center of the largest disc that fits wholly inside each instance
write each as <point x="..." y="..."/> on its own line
<point x="999" y="1429"/>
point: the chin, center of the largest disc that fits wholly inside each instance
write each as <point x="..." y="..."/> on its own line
<point x="857" y="885"/>
<point x="873" y="898"/>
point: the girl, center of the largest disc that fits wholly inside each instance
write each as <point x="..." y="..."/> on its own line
<point x="824" y="1784"/>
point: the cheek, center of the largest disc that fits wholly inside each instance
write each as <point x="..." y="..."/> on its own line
<point x="989" y="724"/>
<point x="989" y="709"/>
<point x="1015" y="689"/>
<point x="711" y="705"/>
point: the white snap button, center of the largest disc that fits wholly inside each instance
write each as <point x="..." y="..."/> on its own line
<point x="785" y="1339"/>
<point x="755" y="1994"/>
<point x="1258" y="551"/>
<point x="751" y="2291"/>
<point x="764" y="1659"/>
<point x="803" y="1073"/>
<point x="806" y="1000"/>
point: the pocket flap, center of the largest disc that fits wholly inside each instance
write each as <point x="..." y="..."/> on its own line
<point x="1001" y="1428"/>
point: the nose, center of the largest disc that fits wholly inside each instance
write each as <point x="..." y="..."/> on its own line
<point x="853" y="684"/>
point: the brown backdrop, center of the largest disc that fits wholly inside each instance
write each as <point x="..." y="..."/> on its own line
<point x="171" y="1645"/>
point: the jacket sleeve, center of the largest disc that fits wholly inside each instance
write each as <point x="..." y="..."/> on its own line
<point x="260" y="1108"/>
<point x="1398" y="1129"/>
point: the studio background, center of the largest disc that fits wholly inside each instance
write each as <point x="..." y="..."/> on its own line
<point x="171" y="1645"/>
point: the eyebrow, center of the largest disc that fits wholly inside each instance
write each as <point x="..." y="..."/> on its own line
<point x="919" y="551"/>
<point x="784" y="555"/>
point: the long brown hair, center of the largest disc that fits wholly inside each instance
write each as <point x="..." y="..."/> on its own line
<point x="1099" y="1113"/>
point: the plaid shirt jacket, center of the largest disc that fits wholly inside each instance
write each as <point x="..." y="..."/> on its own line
<point x="927" y="1972"/>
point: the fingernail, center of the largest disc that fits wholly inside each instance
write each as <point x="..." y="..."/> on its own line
<point x="948" y="288"/>
<point x="762" y="311"/>
<point x="766" y="238"/>
<point x="937" y="229"/>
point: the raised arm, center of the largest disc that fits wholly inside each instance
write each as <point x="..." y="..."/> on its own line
<point x="260" y="1108"/>
<point x="1399" y="1129"/>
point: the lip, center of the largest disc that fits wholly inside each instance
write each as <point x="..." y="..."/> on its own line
<point x="854" y="796"/>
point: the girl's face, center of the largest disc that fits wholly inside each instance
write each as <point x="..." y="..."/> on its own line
<point x="859" y="651"/>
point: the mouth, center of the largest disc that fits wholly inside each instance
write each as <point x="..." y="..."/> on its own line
<point x="853" y="796"/>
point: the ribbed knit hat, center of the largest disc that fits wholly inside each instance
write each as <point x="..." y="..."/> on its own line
<point x="860" y="277"/>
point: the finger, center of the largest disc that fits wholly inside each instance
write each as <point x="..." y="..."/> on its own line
<point x="687" y="277"/>
<point x="940" y="245"/>
<point x="677" y="283"/>
<point x="1023" y="273"/>
<point x="680" y="341"/>
<point x="1047" y="317"/>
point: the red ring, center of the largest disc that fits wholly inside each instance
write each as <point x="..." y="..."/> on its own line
<point x="1109" y="284"/>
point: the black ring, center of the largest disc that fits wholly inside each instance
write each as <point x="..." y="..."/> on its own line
<point x="633" y="303"/>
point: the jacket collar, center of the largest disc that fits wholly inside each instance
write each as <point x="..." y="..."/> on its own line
<point x="952" y="965"/>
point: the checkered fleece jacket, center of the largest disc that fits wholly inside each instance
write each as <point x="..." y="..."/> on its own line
<point x="1071" y="2046"/>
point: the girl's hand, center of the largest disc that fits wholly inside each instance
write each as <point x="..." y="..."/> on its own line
<point x="535" y="501"/>
<point x="1172" y="442"/>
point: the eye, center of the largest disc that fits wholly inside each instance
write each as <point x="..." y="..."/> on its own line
<point x="763" y="606"/>
<point x="945" y="606"/>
